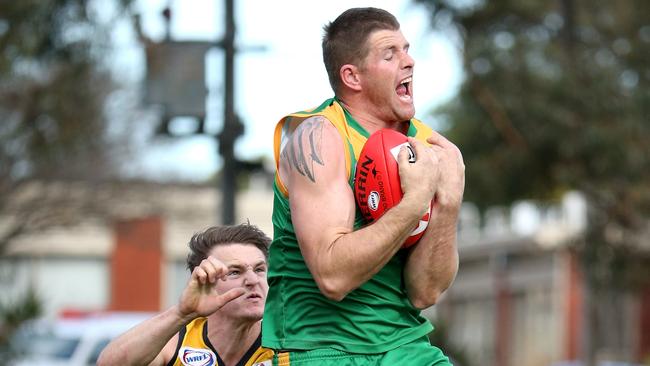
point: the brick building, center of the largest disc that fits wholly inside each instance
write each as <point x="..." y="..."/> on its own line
<point x="519" y="296"/>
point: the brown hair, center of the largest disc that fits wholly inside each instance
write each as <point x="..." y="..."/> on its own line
<point x="201" y="243"/>
<point x="344" y="41"/>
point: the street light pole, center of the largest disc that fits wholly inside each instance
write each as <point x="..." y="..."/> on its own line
<point x="157" y="71"/>
<point x="232" y="127"/>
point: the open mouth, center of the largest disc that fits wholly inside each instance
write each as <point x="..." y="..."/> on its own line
<point x="254" y="296"/>
<point x="404" y="89"/>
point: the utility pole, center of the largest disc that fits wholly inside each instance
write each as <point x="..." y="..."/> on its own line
<point x="232" y="126"/>
<point x="171" y="64"/>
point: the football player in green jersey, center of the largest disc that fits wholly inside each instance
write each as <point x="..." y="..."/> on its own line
<point x="342" y="291"/>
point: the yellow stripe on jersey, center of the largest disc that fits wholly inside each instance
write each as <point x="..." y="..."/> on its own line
<point x="283" y="359"/>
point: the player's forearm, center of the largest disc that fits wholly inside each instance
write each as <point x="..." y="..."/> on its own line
<point x="142" y="343"/>
<point x="355" y="256"/>
<point x="433" y="263"/>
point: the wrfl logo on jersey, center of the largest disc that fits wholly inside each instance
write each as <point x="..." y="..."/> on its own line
<point x="197" y="357"/>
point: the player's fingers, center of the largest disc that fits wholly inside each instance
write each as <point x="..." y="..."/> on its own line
<point x="405" y="156"/>
<point x="437" y="139"/>
<point x="421" y="150"/>
<point x="200" y="275"/>
<point x="461" y="160"/>
<point x="441" y="145"/>
<point x="416" y="147"/>
<point x="209" y="269"/>
<point x="219" y="269"/>
<point x="231" y="295"/>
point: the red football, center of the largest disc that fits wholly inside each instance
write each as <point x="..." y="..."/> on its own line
<point x="376" y="183"/>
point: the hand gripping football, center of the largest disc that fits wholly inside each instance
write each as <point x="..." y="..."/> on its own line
<point x="377" y="185"/>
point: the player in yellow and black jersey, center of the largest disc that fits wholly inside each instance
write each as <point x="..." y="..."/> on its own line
<point x="217" y="321"/>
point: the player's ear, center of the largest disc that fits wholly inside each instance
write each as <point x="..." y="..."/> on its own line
<point x="350" y="76"/>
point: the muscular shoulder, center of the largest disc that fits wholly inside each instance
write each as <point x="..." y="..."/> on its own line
<point x="315" y="144"/>
<point x="315" y="128"/>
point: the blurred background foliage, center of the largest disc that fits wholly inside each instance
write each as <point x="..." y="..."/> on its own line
<point x="556" y="97"/>
<point x="54" y="83"/>
<point x="13" y="312"/>
<point x="53" y="91"/>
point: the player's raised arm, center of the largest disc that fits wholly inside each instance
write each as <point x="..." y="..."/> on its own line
<point x="433" y="262"/>
<point x="154" y="341"/>
<point x="323" y="209"/>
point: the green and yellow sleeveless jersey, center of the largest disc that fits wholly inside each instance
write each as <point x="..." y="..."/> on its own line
<point x="194" y="348"/>
<point x="374" y="318"/>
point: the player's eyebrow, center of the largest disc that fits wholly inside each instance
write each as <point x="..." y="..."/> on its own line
<point x="240" y="265"/>
<point x="394" y="48"/>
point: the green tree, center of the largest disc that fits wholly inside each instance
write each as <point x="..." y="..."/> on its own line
<point x="53" y="88"/>
<point x="12" y="315"/>
<point x="556" y="97"/>
<point x="54" y="125"/>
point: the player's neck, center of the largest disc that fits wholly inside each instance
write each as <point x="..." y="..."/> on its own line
<point x="370" y="122"/>
<point x="232" y="339"/>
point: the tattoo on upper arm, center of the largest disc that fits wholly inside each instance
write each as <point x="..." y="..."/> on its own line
<point x="304" y="148"/>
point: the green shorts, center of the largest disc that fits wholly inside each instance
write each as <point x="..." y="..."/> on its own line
<point x="417" y="353"/>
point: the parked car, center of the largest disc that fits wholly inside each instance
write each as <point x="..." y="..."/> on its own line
<point x="71" y="341"/>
